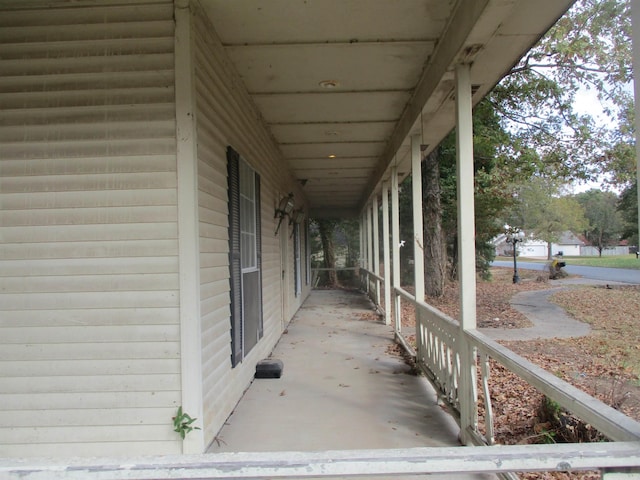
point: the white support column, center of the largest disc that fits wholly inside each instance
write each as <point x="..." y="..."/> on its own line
<point x="369" y="242"/>
<point x="418" y="234"/>
<point x="361" y="255"/>
<point x="635" y="21"/>
<point x="385" y="253"/>
<point x="395" y="237"/>
<point x="188" y="247"/>
<point x="466" y="248"/>
<point x="376" y="246"/>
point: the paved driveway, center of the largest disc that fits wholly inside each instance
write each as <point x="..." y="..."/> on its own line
<point x="623" y="275"/>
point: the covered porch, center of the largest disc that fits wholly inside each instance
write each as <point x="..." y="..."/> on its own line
<point x="344" y="387"/>
<point x="340" y="138"/>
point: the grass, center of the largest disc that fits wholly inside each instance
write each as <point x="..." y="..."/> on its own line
<point x="608" y="261"/>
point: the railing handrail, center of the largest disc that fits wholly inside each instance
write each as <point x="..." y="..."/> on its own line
<point x="343" y="463"/>
<point x="370" y="273"/>
<point x="609" y="421"/>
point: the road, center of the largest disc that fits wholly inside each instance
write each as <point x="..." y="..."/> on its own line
<point x="623" y="275"/>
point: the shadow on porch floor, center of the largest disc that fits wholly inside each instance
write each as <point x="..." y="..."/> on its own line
<point x="340" y="389"/>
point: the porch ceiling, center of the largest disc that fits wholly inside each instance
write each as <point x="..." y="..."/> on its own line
<point x="342" y="84"/>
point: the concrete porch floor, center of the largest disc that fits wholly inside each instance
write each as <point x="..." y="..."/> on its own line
<point x="340" y="389"/>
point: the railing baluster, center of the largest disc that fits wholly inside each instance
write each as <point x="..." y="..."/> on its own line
<point x="488" y="411"/>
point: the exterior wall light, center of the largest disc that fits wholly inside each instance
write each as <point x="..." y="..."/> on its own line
<point x="296" y="219"/>
<point x="284" y="209"/>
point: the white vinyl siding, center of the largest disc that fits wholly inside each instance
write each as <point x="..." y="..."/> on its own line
<point x="227" y="117"/>
<point x="89" y="311"/>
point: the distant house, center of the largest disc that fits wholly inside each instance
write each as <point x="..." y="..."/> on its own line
<point x="569" y="244"/>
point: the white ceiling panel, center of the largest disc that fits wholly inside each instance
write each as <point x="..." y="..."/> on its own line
<point x="354" y="67"/>
<point x="355" y="78"/>
<point x="332" y="107"/>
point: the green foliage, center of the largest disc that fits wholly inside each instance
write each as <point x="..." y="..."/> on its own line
<point x="182" y="423"/>
<point x="589" y="48"/>
<point x="628" y="208"/>
<point x="540" y="211"/>
<point x="492" y="184"/>
<point x="605" y="224"/>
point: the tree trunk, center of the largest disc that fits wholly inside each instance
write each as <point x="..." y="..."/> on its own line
<point x="326" y="228"/>
<point x="435" y="251"/>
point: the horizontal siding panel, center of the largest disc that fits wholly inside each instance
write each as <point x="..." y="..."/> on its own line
<point x="99" y="130"/>
<point x="111" y="316"/>
<point x="88" y="300"/>
<point x="79" y="233"/>
<point x="209" y="290"/>
<point x="81" y="48"/>
<point x="214" y="218"/>
<point x="91" y="400"/>
<point x="84" y="266"/>
<point x="208" y="260"/>
<point x="92" y="334"/>
<point x="123" y="248"/>
<point x="60" y="117"/>
<point x="92" y="449"/>
<point x="214" y="336"/>
<point x="97" y="14"/>
<point x="83" y="32"/>
<point x="214" y="302"/>
<point x="83" y="199"/>
<point x="217" y="365"/>
<point x="218" y="318"/>
<point x="213" y="274"/>
<point x="213" y="195"/>
<point x="91" y="383"/>
<point x="88" y="351"/>
<point x="90" y="148"/>
<point x="96" y="367"/>
<point x="89" y="417"/>
<point x="92" y="434"/>
<point x="87" y="182"/>
<point x="90" y="283"/>
<point x="213" y="245"/>
<point x="87" y="216"/>
<point x="219" y="232"/>
<point x="97" y="97"/>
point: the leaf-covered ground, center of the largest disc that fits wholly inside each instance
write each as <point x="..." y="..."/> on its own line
<point x="605" y="364"/>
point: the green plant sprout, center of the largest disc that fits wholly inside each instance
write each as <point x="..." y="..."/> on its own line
<point x="182" y="423"/>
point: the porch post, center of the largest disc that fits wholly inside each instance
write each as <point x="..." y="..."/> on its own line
<point x="395" y="239"/>
<point x="635" y="29"/>
<point x="376" y="246"/>
<point x="466" y="250"/>
<point x="363" y="244"/>
<point x="369" y="241"/>
<point x="418" y="234"/>
<point x="385" y="252"/>
<point x="188" y="248"/>
<point x="361" y="251"/>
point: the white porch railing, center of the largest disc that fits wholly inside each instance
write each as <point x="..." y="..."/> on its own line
<point x="388" y="463"/>
<point x="437" y="341"/>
